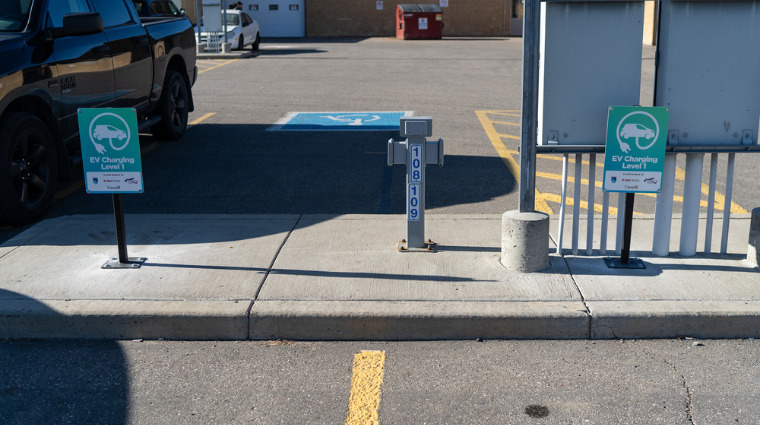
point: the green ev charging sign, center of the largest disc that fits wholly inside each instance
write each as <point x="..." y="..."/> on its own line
<point x="110" y="150"/>
<point x="635" y="151"/>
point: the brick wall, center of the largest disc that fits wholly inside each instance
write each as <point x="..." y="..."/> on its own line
<point x="359" y="18"/>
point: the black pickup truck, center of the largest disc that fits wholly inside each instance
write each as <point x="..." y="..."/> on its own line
<point x="60" y="55"/>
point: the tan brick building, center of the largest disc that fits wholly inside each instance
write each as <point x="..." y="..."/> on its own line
<point x="340" y="18"/>
<point x="372" y="18"/>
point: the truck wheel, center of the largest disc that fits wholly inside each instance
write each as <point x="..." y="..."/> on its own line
<point x="172" y="108"/>
<point x="28" y="168"/>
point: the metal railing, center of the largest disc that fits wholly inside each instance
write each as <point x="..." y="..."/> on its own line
<point x="664" y="204"/>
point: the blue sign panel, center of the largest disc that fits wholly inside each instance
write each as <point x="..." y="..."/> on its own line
<point x="340" y="121"/>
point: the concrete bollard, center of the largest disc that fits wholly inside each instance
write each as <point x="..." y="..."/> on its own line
<point x="753" y="248"/>
<point x="525" y="241"/>
<point x="226" y="47"/>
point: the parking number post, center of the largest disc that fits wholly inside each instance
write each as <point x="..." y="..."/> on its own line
<point x="415" y="152"/>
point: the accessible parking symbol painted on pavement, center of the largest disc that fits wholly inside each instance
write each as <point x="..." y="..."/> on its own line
<point x="340" y="121"/>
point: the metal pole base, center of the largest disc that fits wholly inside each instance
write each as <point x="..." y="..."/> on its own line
<point x="428" y="246"/>
<point x="133" y="263"/>
<point x="617" y="263"/>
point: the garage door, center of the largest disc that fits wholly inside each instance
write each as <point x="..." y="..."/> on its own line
<point x="278" y="18"/>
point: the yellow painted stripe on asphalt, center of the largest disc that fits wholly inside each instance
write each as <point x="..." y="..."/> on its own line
<point x="204" y="117"/>
<point x="584" y="204"/>
<point x="507" y="136"/>
<point x="508" y="113"/>
<point x="364" y="402"/>
<point x="506" y="156"/>
<point x="217" y="66"/>
<point x="68" y="190"/>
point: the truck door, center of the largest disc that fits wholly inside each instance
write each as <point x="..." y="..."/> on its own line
<point x="130" y="50"/>
<point x="84" y="68"/>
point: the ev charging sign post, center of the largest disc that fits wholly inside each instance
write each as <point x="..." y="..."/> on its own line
<point x="634" y="159"/>
<point x="111" y="161"/>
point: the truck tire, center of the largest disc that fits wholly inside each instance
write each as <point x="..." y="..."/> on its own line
<point x="173" y="108"/>
<point x="28" y="168"/>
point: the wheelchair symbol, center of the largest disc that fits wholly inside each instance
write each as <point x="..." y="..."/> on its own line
<point x="351" y="120"/>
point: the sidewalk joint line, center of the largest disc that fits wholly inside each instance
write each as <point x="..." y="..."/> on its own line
<point x="575" y="283"/>
<point x="269" y="270"/>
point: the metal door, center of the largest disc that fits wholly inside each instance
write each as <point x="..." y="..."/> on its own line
<point x="278" y="18"/>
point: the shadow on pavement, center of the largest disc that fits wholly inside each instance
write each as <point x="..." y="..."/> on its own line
<point x="244" y="169"/>
<point x="45" y="382"/>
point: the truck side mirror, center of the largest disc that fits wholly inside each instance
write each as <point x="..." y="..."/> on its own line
<point x="182" y="11"/>
<point x="80" y="23"/>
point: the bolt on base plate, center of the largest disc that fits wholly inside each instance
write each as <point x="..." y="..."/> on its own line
<point x="403" y="246"/>
<point x="132" y="263"/>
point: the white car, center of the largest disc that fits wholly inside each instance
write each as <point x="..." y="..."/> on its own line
<point x="242" y="30"/>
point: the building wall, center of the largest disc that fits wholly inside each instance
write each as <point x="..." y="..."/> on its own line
<point x="361" y="18"/>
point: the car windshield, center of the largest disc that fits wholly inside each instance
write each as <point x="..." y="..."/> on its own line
<point x="233" y="19"/>
<point x="14" y="14"/>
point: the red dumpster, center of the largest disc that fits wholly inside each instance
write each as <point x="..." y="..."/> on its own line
<point x="419" y="21"/>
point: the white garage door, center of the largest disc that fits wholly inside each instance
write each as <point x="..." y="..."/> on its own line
<point x="278" y="18"/>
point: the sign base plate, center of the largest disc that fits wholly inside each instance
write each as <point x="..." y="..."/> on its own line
<point x="403" y="246"/>
<point x="132" y="263"/>
<point x="616" y="263"/>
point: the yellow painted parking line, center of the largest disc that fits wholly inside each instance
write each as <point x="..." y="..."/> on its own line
<point x="68" y="190"/>
<point x="508" y="113"/>
<point x="204" y="117"/>
<point x="364" y="401"/>
<point x="507" y="136"/>
<point x="516" y="124"/>
<point x="509" y="161"/>
<point x="584" y="204"/>
<point x="218" y="66"/>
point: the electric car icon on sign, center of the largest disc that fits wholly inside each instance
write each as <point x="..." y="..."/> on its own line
<point x="636" y="131"/>
<point x="108" y="132"/>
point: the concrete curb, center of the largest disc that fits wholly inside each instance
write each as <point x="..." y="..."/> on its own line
<point x="672" y="319"/>
<point x="106" y="319"/>
<point x="417" y="320"/>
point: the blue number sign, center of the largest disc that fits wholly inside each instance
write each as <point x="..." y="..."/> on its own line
<point x="413" y="209"/>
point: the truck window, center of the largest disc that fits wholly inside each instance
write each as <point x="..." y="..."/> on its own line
<point x="57" y="10"/>
<point x="113" y="12"/>
<point x="14" y="14"/>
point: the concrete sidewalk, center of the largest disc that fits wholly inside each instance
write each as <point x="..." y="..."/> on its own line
<point x="340" y="277"/>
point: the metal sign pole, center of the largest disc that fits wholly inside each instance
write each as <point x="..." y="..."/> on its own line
<point x="627" y="227"/>
<point x="121" y="234"/>
<point x="529" y="125"/>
